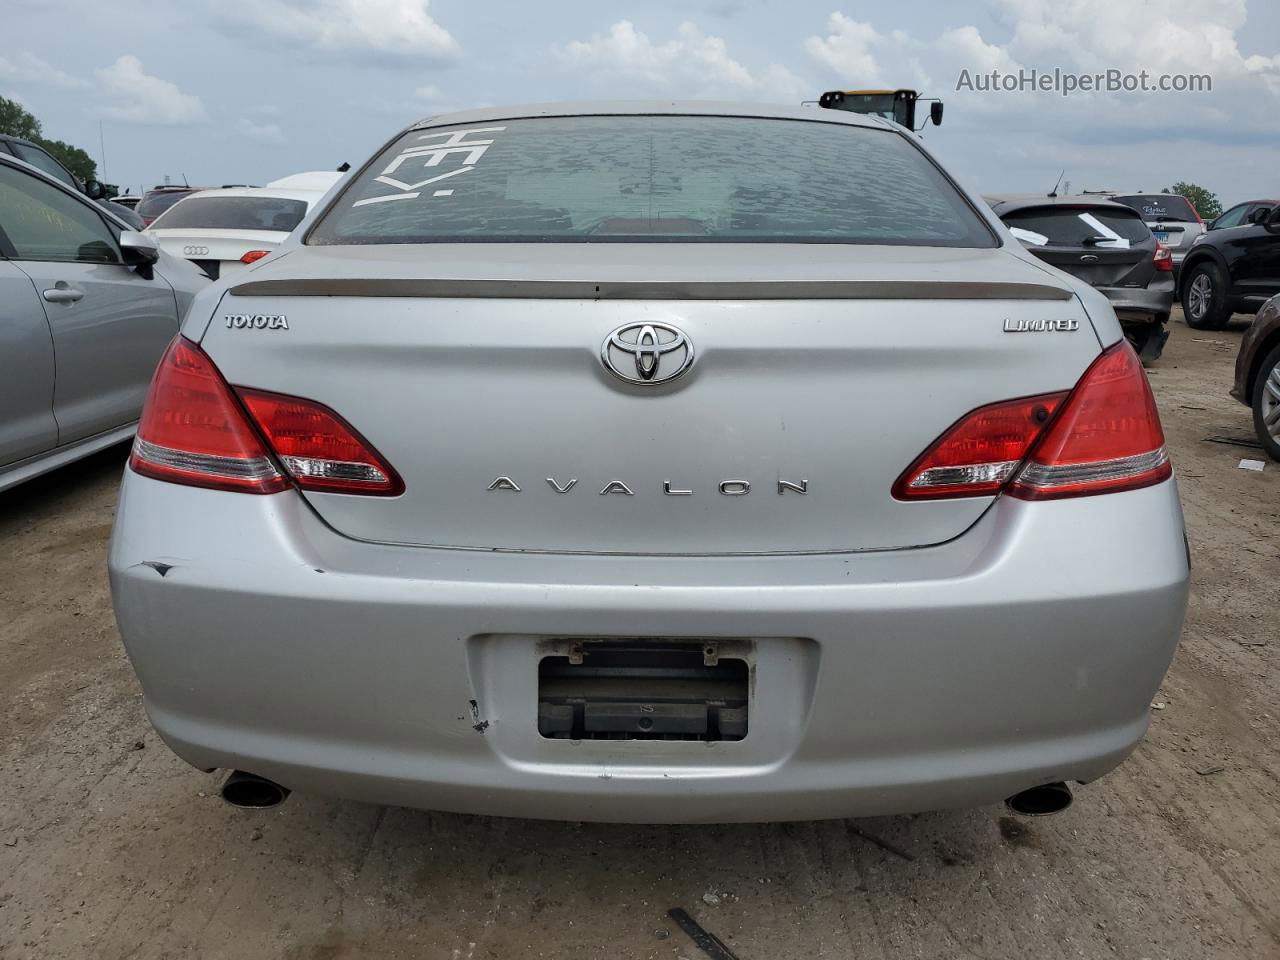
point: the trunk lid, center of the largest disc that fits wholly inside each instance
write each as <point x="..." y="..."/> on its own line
<point x="831" y="385"/>
<point x="216" y="252"/>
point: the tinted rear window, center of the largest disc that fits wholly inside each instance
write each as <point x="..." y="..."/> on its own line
<point x="154" y="204"/>
<point x="1160" y="206"/>
<point x="235" y="213"/>
<point x="653" y="178"/>
<point x="1072" y="226"/>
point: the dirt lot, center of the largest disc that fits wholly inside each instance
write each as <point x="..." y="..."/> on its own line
<point x="111" y="847"/>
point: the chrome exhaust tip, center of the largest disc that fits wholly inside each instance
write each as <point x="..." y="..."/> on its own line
<point x="250" y="791"/>
<point x="1041" y="801"/>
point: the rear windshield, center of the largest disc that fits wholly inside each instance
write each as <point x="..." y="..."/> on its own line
<point x="154" y="204"/>
<point x="235" y="213"/>
<point x="1073" y="226"/>
<point x="653" y="178"/>
<point x="1160" y="206"/>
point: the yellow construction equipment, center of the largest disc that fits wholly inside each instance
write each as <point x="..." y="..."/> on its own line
<point x="896" y="105"/>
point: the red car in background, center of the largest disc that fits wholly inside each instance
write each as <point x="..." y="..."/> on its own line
<point x="156" y="201"/>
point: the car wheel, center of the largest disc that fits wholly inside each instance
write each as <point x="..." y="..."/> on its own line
<point x="1204" y="298"/>
<point x="1266" y="404"/>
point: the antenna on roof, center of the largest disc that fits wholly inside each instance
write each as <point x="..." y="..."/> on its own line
<point x="1054" y="191"/>
<point x="184" y="181"/>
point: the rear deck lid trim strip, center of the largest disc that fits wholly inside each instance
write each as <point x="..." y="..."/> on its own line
<point x="658" y="290"/>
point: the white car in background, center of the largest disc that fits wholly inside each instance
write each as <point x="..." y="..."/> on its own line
<point x="223" y="231"/>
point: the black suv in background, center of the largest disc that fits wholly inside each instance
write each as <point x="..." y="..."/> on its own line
<point x="1242" y="214"/>
<point x="1107" y="244"/>
<point x="1232" y="270"/>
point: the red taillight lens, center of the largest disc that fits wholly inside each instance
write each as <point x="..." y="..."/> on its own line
<point x="253" y="256"/>
<point x="319" y="449"/>
<point x="1103" y="437"/>
<point x="193" y="431"/>
<point x="979" y="454"/>
<point x="1106" y="437"/>
<point x="1163" y="258"/>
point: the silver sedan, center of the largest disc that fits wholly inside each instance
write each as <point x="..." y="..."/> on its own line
<point x="88" y="308"/>
<point x="651" y="462"/>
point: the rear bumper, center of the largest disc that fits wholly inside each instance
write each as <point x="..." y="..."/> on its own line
<point x="1149" y="303"/>
<point x="1025" y="651"/>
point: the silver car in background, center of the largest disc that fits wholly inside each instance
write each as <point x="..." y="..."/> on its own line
<point x="87" y="308"/>
<point x="1172" y="219"/>
<point x="651" y="462"/>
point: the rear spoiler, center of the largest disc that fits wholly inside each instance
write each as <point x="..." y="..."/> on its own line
<point x="660" y="290"/>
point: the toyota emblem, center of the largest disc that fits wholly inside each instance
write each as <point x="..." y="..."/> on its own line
<point x="647" y="353"/>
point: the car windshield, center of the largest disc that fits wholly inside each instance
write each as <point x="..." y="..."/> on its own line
<point x="1073" y="226"/>
<point x="653" y="178"/>
<point x="1161" y="206"/>
<point x="154" y="204"/>
<point x="234" y="213"/>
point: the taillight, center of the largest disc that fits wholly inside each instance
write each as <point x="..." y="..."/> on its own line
<point x="253" y="256"/>
<point x="199" y="431"/>
<point x="978" y="455"/>
<point x="1163" y="259"/>
<point x="1102" y="437"/>
<point x="319" y="449"/>
<point x="193" y="430"/>
<point x="1106" y="437"/>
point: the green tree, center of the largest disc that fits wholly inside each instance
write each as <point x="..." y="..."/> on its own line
<point x="16" y="121"/>
<point x="73" y="158"/>
<point x="1205" y="202"/>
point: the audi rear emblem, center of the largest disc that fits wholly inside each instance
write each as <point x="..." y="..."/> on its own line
<point x="195" y="251"/>
<point x="647" y="353"/>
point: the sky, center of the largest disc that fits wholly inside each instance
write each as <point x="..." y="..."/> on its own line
<point x="220" y="91"/>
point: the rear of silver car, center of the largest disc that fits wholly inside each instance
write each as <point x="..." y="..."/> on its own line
<point x="634" y="522"/>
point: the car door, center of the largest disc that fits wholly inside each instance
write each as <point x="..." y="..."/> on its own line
<point x="109" y="323"/>
<point x="27" y="426"/>
<point x="1253" y="256"/>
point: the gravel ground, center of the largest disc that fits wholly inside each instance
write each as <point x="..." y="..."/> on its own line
<point x="111" y="847"/>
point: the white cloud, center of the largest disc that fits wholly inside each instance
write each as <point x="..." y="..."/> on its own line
<point x="690" y="64"/>
<point x="137" y="97"/>
<point x="967" y="45"/>
<point x="848" y="49"/>
<point x="269" y="133"/>
<point x="428" y="93"/>
<point x="359" y="28"/>
<point x="28" y="68"/>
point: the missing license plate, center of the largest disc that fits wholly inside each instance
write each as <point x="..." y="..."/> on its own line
<point x="644" y="690"/>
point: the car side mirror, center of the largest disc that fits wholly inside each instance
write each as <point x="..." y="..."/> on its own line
<point x="139" y="251"/>
<point x="94" y="190"/>
<point x="1270" y="219"/>
<point x="935" y="113"/>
